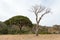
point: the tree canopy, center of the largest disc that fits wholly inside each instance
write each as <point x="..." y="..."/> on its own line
<point x="19" y="20"/>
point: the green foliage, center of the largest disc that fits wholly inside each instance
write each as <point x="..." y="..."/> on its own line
<point x="44" y="32"/>
<point x="24" y="32"/>
<point x="19" y="20"/>
<point x="3" y="28"/>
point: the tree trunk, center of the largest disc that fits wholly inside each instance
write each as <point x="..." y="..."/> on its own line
<point x="20" y="27"/>
<point x="37" y="29"/>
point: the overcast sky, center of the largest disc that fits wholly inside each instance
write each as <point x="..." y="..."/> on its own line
<point x="10" y="8"/>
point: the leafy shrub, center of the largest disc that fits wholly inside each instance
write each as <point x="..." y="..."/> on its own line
<point x="3" y="28"/>
<point x="13" y="29"/>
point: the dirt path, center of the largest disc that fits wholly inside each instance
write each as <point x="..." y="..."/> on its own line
<point x="30" y="37"/>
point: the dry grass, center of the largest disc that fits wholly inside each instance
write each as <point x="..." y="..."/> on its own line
<point x="31" y="37"/>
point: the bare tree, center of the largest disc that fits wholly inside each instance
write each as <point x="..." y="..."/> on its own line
<point x="38" y="9"/>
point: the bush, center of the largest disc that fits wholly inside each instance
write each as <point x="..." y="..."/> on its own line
<point x="13" y="29"/>
<point x="3" y="28"/>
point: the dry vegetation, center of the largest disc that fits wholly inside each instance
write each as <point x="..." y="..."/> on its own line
<point x="31" y="37"/>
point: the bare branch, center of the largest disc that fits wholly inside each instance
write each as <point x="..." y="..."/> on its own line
<point x="37" y="9"/>
<point x="34" y="9"/>
<point x="40" y="9"/>
<point x="47" y="11"/>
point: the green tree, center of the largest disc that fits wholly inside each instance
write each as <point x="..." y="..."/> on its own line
<point x="19" y="21"/>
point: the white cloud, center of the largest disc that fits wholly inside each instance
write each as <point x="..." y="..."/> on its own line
<point x="9" y="8"/>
